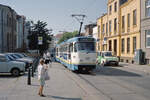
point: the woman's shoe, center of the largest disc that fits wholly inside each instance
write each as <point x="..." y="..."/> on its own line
<point x="42" y="95"/>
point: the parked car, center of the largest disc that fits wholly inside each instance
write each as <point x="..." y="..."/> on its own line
<point x="9" y="66"/>
<point x="15" y="57"/>
<point x="24" y="56"/>
<point x="107" y="58"/>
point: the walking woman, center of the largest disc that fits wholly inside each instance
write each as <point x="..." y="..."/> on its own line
<point x="42" y="68"/>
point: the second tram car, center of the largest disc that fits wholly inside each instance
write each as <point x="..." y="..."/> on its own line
<point x="77" y="53"/>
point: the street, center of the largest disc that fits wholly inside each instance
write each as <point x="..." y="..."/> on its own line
<point x="107" y="83"/>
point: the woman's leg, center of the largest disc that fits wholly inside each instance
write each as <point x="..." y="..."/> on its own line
<point x="41" y="90"/>
<point x="42" y="82"/>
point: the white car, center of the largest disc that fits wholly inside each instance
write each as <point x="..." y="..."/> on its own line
<point x="9" y="66"/>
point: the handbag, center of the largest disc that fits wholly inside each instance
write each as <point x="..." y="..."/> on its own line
<point x="47" y="77"/>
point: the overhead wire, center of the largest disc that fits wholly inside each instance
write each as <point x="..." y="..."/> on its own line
<point x="84" y="11"/>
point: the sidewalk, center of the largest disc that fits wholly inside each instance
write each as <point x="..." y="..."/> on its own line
<point x="63" y="85"/>
<point x="141" y="68"/>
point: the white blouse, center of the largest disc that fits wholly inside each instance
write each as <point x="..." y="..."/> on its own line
<point x="41" y="71"/>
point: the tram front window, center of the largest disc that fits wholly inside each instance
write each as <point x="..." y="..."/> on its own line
<point x="85" y="46"/>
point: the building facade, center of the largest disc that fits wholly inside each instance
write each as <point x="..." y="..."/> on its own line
<point x="22" y="32"/>
<point x="129" y="29"/>
<point x="113" y="36"/>
<point x="108" y="28"/>
<point x="89" y="29"/>
<point x="7" y="29"/>
<point x="145" y="28"/>
<point x="119" y="28"/>
<point x="95" y="35"/>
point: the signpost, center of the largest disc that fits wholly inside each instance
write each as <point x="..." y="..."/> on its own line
<point x="40" y="40"/>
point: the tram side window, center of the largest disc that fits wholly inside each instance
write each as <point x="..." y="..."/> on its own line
<point x="71" y="48"/>
<point x="57" y="51"/>
<point x="75" y="47"/>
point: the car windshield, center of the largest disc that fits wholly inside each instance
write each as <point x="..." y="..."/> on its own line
<point x="85" y="46"/>
<point x="18" y="55"/>
<point x="10" y="58"/>
<point x="24" y="55"/>
<point x="107" y="54"/>
<point x="98" y="54"/>
<point x="15" y="57"/>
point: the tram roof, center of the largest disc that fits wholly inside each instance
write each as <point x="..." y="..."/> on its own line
<point x="73" y="40"/>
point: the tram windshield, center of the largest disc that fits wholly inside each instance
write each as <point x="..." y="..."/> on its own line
<point x="85" y="47"/>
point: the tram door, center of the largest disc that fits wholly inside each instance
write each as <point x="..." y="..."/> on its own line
<point x="69" y="53"/>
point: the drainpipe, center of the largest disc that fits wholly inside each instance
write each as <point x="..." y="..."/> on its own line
<point x="12" y="31"/>
<point x="2" y="30"/>
<point x="140" y="24"/>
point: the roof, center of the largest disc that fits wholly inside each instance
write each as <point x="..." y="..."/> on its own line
<point x="72" y="40"/>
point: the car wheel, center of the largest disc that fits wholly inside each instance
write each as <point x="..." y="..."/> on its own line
<point x="15" y="72"/>
<point x="117" y="64"/>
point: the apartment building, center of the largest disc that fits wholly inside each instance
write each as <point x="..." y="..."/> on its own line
<point x="129" y="29"/>
<point x="119" y="28"/>
<point x="95" y="35"/>
<point x="108" y="28"/>
<point x="102" y="24"/>
<point x="7" y="29"/>
<point x="145" y="28"/>
<point x="89" y="29"/>
<point x="113" y="27"/>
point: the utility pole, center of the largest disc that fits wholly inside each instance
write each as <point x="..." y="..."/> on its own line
<point x="80" y="19"/>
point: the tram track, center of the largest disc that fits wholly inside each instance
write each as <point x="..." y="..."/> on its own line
<point x="132" y="88"/>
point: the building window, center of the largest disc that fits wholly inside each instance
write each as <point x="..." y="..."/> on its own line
<point x="110" y="47"/>
<point x="128" y="45"/>
<point x="123" y="1"/>
<point x="110" y="9"/>
<point x="103" y="28"/>
<point x="115" y="25"/>
<point x="128" y="24"/>
<point x="134" y="44"/>
<point x="147" y="38"/>
<point x="147" y="8"/>
<point x="98" y="30"/>
<point x="123" y="24"/>
<point x="115" y="7"/>
<point x="106" y="28"/>
<point x="134" y="17"/>
<point x="98" y="46"/>
<point x="110" y="26"/>
<point x="7" y="20"/>
<point x="122" y="44"/>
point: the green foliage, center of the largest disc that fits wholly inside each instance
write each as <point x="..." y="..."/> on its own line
<point x="68" y="35"/>
<point x="39" y="29"/>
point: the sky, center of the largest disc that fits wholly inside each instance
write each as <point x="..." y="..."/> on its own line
<point x="57" y="13"/>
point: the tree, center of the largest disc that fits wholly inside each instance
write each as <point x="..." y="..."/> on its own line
<point x="68" y="35"/>
<point x="39" y="30"/>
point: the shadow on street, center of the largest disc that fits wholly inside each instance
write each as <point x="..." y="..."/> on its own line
<point x="62" y="98"/>
<point x="109" y="71"/>
<point x="7" y="76"/>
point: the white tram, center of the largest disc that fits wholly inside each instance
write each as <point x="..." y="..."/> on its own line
<point x="77" y="53"/>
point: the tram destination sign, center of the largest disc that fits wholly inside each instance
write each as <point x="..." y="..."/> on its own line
<point x="86" y="39"/>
